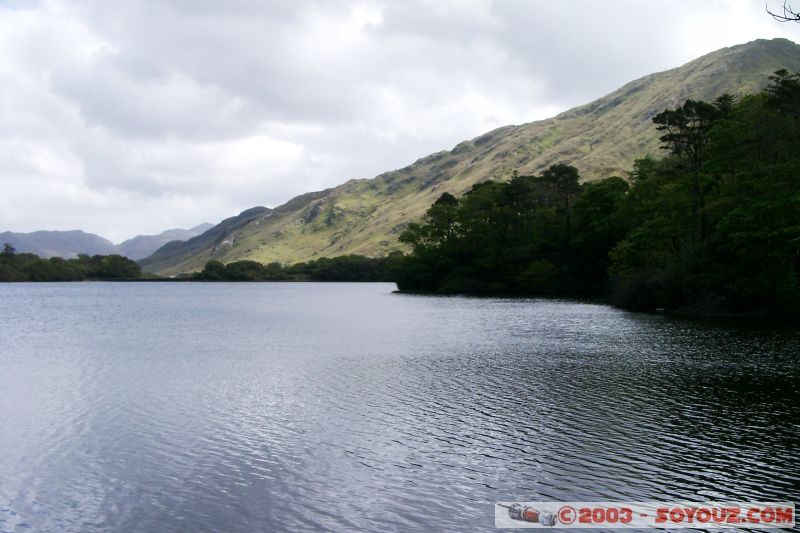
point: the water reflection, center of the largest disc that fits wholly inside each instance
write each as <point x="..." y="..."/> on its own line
<point x="240" y="407"/>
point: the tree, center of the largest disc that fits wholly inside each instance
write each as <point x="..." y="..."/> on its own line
<point x="446" y="199"/>
<point x="437" y="228"/>
<point x="784" y="93"/>
<point x="565" y="181"/>
<point x="244" y="270"/>
<point x="214" y="271"/>
<point x="724" y="104"/>
<point x="598" y="228"/>
<point x="9" y="265"/>
<point x="498" y="238"/>
<point x="8" y="251"/>
<point x="686" y="129"/>
<point x="788" y="14"/>
<point x="686" y="138"/>
<point x="113" y="266"/>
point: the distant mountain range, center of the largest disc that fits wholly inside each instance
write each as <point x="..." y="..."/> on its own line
<point x="72" y="243"/>
<point x="142" y="246"/>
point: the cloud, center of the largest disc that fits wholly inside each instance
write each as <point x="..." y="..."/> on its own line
<point x="129" y="117"/>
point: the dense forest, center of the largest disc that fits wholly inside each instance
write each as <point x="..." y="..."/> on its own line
<point x="30" y="267"/>
<point x="713" y="227"/>
<point x="342" y="268"/>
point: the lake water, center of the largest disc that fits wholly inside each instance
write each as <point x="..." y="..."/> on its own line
<point x="285" y="407"/>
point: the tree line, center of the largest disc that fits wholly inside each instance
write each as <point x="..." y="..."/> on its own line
<point x="342" y="268"/>
<point x="30" y="267"/>
<point x="712" y="227"/>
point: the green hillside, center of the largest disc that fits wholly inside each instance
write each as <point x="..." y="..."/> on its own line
<point x="366" y="216"/>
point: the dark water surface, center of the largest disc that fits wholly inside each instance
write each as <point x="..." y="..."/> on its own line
<point x="285" y="407"/>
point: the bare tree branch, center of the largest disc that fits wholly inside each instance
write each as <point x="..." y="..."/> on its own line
<point x="788" y="15"/>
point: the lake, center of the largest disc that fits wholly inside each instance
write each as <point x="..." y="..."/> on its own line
<point x="311" y="406"/>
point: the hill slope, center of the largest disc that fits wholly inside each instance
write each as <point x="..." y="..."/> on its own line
<point x="365" y="216"/>
<point x="212" y="242"/>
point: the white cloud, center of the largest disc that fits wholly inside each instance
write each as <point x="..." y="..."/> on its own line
<point x="131" y="117"/>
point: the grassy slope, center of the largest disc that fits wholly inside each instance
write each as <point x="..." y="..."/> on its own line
<point x="601" y="139"/>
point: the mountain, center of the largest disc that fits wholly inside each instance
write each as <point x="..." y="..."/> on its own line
<point x="601" y="139"/>
<point x="59" y="243"/>
<point x="210" y="243"/>
<point x="142" y="246"/>
<point x="72" y="243"/>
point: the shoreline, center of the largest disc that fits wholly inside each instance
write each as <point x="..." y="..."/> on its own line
<point x="727" y="317"/>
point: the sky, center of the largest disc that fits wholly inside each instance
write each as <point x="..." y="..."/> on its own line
<point x="130" y="117"/>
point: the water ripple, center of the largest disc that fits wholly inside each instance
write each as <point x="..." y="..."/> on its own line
<point x="342" y="407"/>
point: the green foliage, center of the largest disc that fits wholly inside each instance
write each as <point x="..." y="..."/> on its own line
<point x="343" y="268"/>
<point x="29" y="267"/>
<point x="686" y="129"/>
<point x="213" y="271"/>
<point x="600" y="226"/>
<point x="245" y="271"/>
<point x="112" y="267"/>
<point x="513" y="237"/>
<point x="713" y="227"/>
<point x="746" y="259"/>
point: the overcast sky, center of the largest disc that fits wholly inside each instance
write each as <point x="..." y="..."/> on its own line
<point x="122" y="117"/>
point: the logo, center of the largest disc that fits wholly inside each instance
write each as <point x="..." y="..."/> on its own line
<point x="622" y="515"/>
<point x="566" y="515"/>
